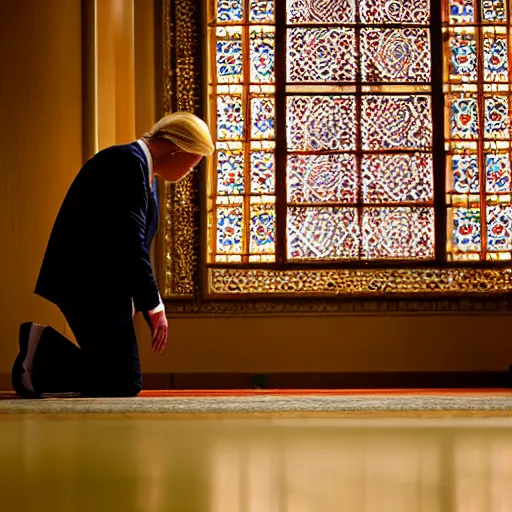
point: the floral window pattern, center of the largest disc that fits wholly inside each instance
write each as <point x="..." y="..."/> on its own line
<point x="358" y="118"/>
<point x="243" y="92"/>
<point x="355" y="119"/>
<point x="478" y="142"/>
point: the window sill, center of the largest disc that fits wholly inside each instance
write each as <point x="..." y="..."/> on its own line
<point x="361" y="282"/>
<point x="334" y="292"/>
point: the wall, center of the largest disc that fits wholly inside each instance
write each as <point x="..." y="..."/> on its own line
<point x="349" y="343"/>
<point x="47" y="77"/>
<point x="44" y="134"/>
<point x="40" y="148"/>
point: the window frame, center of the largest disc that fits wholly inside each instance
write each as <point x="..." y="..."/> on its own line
<point x="188" y="277"/>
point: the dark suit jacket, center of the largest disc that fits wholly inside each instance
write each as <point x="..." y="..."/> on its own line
<point x="98" y="252"/>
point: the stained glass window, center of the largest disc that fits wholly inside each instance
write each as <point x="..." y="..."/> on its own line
<point x="326" y="116"/>
<point x="242" y="215"/>
<point x="478" y="142"/>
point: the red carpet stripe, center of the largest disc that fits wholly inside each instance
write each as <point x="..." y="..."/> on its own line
<point x="9" y="395"/>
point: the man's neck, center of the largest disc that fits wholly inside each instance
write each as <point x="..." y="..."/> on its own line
<point x="157" y="147"/>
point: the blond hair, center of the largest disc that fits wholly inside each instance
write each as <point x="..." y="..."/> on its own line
<point x="186" y="131"/>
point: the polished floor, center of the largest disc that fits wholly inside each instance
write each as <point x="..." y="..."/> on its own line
<point x="156" y="463"/>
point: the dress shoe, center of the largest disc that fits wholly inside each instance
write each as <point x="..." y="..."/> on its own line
<point x="18" y="370"/>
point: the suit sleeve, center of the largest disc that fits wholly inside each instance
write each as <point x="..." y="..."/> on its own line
<point x="135" y="197"/>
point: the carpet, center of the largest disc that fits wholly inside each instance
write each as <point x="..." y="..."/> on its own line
<point x="271" y="403"/>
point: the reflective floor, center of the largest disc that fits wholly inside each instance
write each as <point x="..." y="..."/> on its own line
<point x="154" y="463"/>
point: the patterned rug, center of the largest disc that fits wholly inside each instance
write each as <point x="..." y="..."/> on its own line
<point x="273" y="403"/>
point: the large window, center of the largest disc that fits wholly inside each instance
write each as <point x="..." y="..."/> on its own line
<point x="330" y="120"/>
<point x="363" y="150"/>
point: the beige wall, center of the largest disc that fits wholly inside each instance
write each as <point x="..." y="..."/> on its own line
<point x="345" y="343"/>
<point x="42" y="130"/>
<point x="367" y="344"/>
<point x="40" y="148"/>
<point x="45" y="135"/>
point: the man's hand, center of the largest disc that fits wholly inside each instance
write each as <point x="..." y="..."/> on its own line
<point x="159" y="329"/>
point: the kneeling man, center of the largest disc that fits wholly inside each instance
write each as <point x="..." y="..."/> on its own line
<point x="97" y="268"/>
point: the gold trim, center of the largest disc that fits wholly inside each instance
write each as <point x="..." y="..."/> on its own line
<point x="359" y="282"/>
<point x="281" y="307"/>
<point x="182" y="91"/>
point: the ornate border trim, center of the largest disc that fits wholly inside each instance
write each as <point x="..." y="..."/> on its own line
<point x="182" y="91"/>
<point x="360" y="282"/>
<point x="336" y="307"/>
<point x="264" y="291"/>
